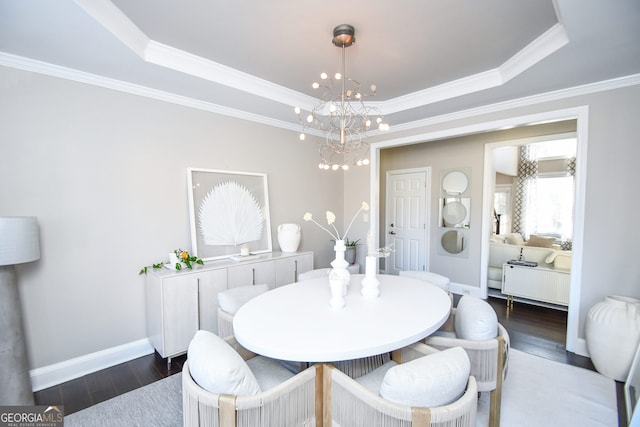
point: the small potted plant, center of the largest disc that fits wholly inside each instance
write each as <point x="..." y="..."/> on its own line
<point x="350" y="253"/>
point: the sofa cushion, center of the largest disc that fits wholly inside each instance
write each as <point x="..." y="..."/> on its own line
<point x="514" y="239"/>
<point x="500" y="253"/>
<point x="475" y="319"/>
<point x="232" y="299"/>
<point x="560" y="260"/>
<point x="216" y="367"/>
<point x="540" y="241"/>
<point x="429" y="381"/>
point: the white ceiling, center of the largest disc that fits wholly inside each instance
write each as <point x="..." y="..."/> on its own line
<point x="257" y="59"/>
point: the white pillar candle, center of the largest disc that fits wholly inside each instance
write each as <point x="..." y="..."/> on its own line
<point x="244" y="250"/>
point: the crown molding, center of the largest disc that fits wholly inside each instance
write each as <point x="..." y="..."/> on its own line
<point x="185" y="62"/>
<point x="27" y="64"/>
<point x="587" y="89"/>
<point x="452" y="89"/>
<point x="551" y="41"/>
<point x="151" y="51"/>
<point x="112" y="19"/>
<point x="44" y="68"/>
<point x="117" y="23"/>
<point x="543" y="46"/>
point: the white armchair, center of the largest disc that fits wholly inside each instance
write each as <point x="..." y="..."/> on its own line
<point x="220" y="389"/>
<point x="394" y="398"/>
<point x="486" y="342"/>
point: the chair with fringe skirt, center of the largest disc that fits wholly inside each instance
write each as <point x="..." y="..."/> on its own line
<point x="282" y="398"/>
<point x="358" y="403"/>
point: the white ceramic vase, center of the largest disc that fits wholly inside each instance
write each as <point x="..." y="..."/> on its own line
<point x="339" y="270"/>
<point x="612" y="332"/>
<point x="289" y="237"/>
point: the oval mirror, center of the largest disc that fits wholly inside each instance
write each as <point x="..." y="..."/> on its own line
<point x="452" y="241"/>
<point x="455" y="183"/>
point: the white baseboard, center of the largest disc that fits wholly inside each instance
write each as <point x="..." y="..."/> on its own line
<point x="581" y="347"/>
<point x="58" y="373"/>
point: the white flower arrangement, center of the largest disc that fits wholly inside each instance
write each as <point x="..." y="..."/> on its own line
<point x="331" y="219"/>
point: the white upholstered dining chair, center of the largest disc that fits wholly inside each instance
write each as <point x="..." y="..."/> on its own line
<point x="434" y="278"/>
<point x="230" y="301"/>
<point x="312" y="274"/>
<point x="225" y="385"/>
<point x="421" y="387"/>
<point x="477" y="331"/>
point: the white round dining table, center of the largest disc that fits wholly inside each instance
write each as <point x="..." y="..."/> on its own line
<point x="296" y="323"/>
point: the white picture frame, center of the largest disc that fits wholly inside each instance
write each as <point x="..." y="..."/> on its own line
<point x="212" y="195"/>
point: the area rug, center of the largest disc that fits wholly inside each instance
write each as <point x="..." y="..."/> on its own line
<point x="541" y="392"/>
<point x="537" y="392"/>
<point x="157" y="404"/>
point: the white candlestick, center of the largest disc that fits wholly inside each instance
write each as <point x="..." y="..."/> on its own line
<point x="370" y="284"/>
<point x="370" y="266"/>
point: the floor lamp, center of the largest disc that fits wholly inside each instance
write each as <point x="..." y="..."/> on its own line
<point x="19" y="243"/>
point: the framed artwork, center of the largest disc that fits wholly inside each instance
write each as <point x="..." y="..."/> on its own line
<point x="228" y="210"/>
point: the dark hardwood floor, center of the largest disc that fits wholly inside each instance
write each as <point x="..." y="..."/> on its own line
<point x="536" y="330"/>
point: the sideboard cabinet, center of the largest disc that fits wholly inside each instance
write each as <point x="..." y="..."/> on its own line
<point x="536" y="283"/>
<point x="179" y="303"/>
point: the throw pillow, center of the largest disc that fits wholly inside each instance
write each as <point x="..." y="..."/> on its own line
<point x="232" y="299"/>
<point x="475" y="319"/>
<point x="541" y="242"/>
<point x="216" y="367"/>
<point x="429" y="381"/>
<point x="514" y="239"/>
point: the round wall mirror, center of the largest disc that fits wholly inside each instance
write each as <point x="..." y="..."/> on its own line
<point x="454" y="213"/>
<point x="455" y="183"/>
<point x="452" y="241"/>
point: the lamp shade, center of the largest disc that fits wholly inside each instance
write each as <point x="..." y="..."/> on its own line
<point x="19" y="239"/>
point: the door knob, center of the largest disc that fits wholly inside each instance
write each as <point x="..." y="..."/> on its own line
<point x="392" y="232"/>
<point x="391" y="225"/>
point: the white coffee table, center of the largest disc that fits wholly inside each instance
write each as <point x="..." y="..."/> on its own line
<point x="296" y="323"/>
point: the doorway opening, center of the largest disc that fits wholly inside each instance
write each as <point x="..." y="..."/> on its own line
<point x="580" y="114"/>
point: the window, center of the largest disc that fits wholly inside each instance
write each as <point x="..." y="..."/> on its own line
<point x="550" y="207"/>
<point x="549" y="189"/>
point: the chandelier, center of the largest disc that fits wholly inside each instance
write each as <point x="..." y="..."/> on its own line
<point x="341" y="115"/>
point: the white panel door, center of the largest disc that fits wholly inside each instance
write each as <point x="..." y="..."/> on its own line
<point x="406" y="219"/>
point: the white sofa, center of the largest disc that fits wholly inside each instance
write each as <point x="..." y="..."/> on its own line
<point x="500" y="253"/>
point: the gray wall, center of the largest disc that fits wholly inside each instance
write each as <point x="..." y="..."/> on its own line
<point x="105" y="173"/>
